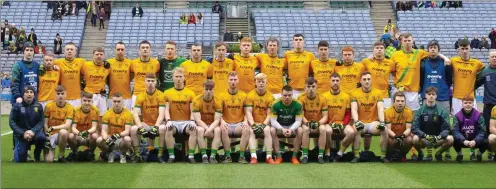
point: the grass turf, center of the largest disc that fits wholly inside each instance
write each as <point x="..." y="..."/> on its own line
<point x="312" y="175"/>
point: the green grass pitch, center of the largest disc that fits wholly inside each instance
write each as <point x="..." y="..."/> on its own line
<point x="312" y="175"/>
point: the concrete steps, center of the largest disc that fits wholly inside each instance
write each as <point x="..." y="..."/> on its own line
<point x="92" y="38"/>
<point x="381" y="12"/>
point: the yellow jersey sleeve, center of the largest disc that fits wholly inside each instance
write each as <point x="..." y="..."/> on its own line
<point x="139" y="101"/>
<point x="493" y="113"/>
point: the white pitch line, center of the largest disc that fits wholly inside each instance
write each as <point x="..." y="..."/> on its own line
<point x="7" y="133"/>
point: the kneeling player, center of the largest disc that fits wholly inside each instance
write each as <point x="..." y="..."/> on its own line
<point x="233" y="122"/>
<point x="469" y="129"/>
<point x="399" y="120"/>
<point x="58" y="119"/>
<point x="179" y="115"/>
<point x="339" y="115"/>
<point x="257" y="109"/>
<point x="286" y="120"/>
<point x="492" y="132"/>
<point x="116" y="125"/>
<point x="367" y="110"/>
<point x="151" y="106"/>
<point x="206" y="108"/>
<point x="314" y="108"/>
<point x="431" y="127"/>
<point x="83" y="132"/>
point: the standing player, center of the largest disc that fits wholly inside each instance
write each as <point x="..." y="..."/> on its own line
<point x="434" y="72"/>
<point x="469" y="130"/>
<point x="257" y="110"/>
<point x="380" y="68"/>
<point x="167" y="64"/>
<point x="349" y="71"/>
<point x="399" y="120"/>
<point x="233" y="121"/>
<point x="196" y="70"/>
<point x="95" y="77"/>
<point x="221" y="66"/>
<point x="70" y="73"/>
<point x="179" y="115"/>
<point x="245" y="65"/>
<point x="286" y="118"/>
<point x="314" y="107"/>
<point x="274" y="66"/>
<point x="116" y="125"/>
<point x="84" y="126"/>
<point x="298" y="61"/>
<point x="465" y="71"/>
<point x="25" y="72"/>
<point x="206" y="108"/>
<point x="487" y="78"/>
<point x="431" y="128"/>
<point x="339" y="117"/>
<point x="141" y="66"/>
<point x="367" y="110"/>
<point x="323" y="67"/>
<point x="120" y="76"/>
<point x="49" y="79"/>
<point x="58" y="120"/>
<point x="151" y="106"/>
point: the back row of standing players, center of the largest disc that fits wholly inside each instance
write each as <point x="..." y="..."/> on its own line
<point x="413" y="72"/>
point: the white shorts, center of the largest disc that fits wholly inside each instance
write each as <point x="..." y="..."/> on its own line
<point x="133" y="101"/>
<point x="100" y="102"/>
<point x="457" y="105"/>
<point x="277" y="96"/>
<point x="180" y="126"/>
<point x="54" y="140"/>
<point x="128" y="103"/>
<point x="368" y="127"/>
<point x="232" y="127"/>
<point x="43" y="104"/>
<point x="387" y="103"/>
<point x="74" y="103"/>
<point x="297" y="93"/>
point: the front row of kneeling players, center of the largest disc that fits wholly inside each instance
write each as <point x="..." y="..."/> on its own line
<point x="236" y="114"/>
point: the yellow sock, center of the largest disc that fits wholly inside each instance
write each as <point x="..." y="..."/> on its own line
<point x="356" y="151"/>
<point x="342" y="148"/>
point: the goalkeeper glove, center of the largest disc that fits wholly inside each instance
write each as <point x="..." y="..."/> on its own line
<point x="109" y="141"/>
<point x="381" y="126"/>
<point x="50" y="129"/>
<point x="106" y="64"/>
<point x="313" y="124"/>
<point x="115" y="136"/>
<point x="258" y="129"/>
<point x="142" y="131"/>
<point x="153" y="132"/>
<point x="399" y="139"/>
<point x="400" y="87"/>
<point x="359" y="125"/>
<point x="358" y="85"/>
<point x="336" y="128"/>
<point x="83" y="134"/>
<point x="432" y="139"/>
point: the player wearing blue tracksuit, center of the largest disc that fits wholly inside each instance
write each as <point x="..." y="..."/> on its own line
<point x="26" y="121"/>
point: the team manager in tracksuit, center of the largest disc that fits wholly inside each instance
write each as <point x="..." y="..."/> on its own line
<point x="487" y="77"/>
<point x="26" y="121"/>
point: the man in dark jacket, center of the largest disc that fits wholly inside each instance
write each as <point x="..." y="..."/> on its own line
<point x="469" y="130"/>
<point x="228" y="36"/>
<point x="431" y="128"/>
<point x="26" y="121"/>
<point x="137" y="11"/>
<point x="475" y="43"/>
<point x="33" y="38"/>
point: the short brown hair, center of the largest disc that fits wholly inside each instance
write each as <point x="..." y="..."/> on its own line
<point x="335" y="75"/>
<point x="398" y="94"/>
<point x="365" y="73"/>
<point x="150" y="76"/>
<point x="233" y="73"/>
<point x="468" y="98"/>
<point x="431" y="89"/>
<point x="347" y="48"/>
<point x="171" y="43"/>
<point x="117" y="95"/>
<point x="59" y="88"/>
<point x="310" y="81"/>
<point x="245" y="40"/>
<point x="406" y="35"/>
<point x="86" y="95"/>
<point x="272" y="39"/>
<point x="49" y="53"/>
<point x="98" y="49"/>
<point x="209" y="84"/>
<point x="220" y="43"/>
<point x="379" y="43"/>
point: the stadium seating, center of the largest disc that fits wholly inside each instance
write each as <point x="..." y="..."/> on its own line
<point x="143" y="4"/>
<point x="267" y="4"/>
<point x="347" y="5"/>
<point x="158" y="27"/>
<point x="339" y="27"/>
<point x="449" y="25"/>
<point x="71" y="28"/>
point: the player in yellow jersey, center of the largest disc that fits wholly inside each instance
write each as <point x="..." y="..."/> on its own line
<point x="257" y="108"/>
<point x="233" y="121"/>
<point x="323" y="67"/>
<point x="206" y="108"/>
<point x="95" y="77"/>
<point x="221" y="66"/>
<point x="245" y="65"/>
<point x="339" y="116"/>
<point x="116" y="125"/>
<point x="84" y="125"/>
<point x="274" y="66"/>
<point x="141" y="66"/>
<point x="49" y="79"/>
<point x="367" y="110"/>
<point x="407" y="77"/>
<point x="298" y="61"/>
<point x="380" y="68"/>
<point x="196" y="70"/>
<point x="120" y="76"/>
<point x="349" y="71"/>
<point x="151" y="106"/>
<point x="179" y="116"/>
<point x="70" y="73"/>
<point x="58" y="119"/>
<point x="465" y="71"/>
<point x="399" y="119"/>
<point x="315" y="116"/>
